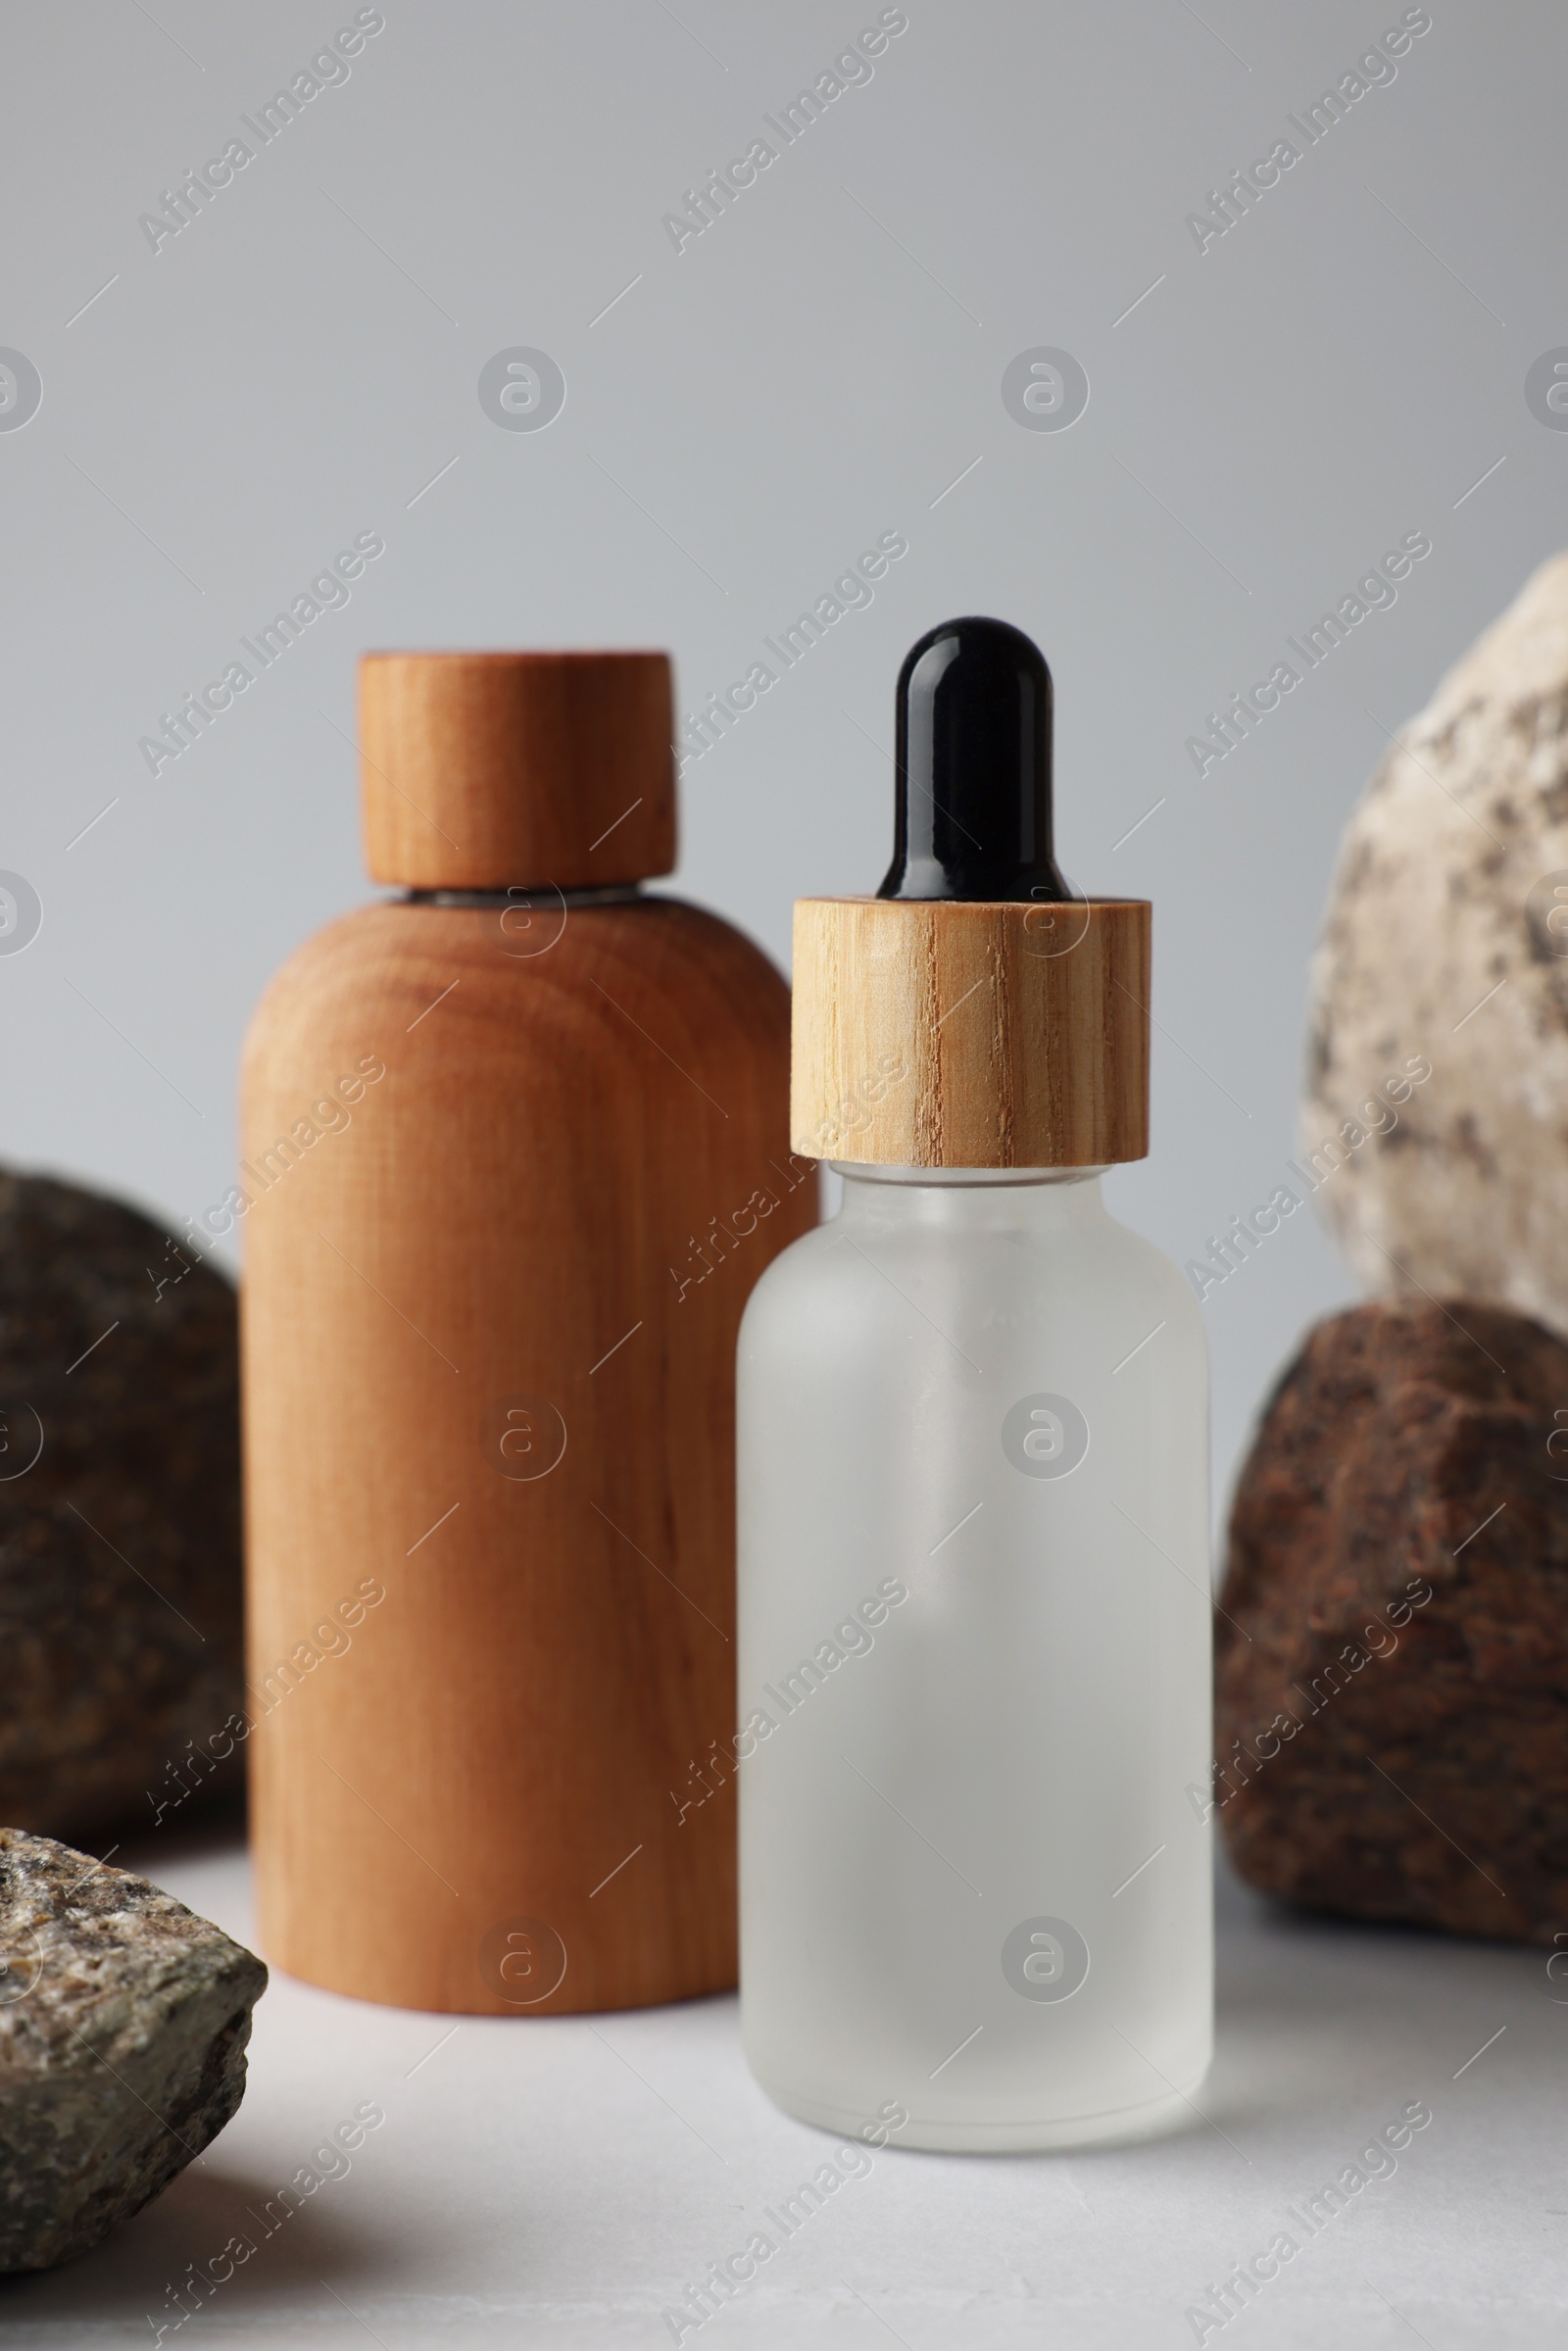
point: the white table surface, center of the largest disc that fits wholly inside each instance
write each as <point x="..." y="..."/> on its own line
<point x="548" y="2180"/>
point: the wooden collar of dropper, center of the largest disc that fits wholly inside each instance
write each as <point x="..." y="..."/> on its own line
<point x="946" y="1023"/>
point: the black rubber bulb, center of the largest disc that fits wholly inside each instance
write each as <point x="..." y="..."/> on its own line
<point x="974" y="762"/>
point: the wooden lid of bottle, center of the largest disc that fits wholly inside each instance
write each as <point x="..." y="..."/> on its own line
<point x="950" y="1033"/>
<point x="481" y="770"/>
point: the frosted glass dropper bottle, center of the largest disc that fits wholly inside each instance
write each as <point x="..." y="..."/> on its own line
<point x="974" y="1587"/>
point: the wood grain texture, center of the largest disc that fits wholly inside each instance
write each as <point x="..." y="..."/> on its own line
<point x="561" y="1189"/>
<point x="944" y="1034"/>
<point x="484" y="770"/>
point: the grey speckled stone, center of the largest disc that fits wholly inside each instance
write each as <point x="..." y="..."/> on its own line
<point x="123" y="2020"/>
<point x="120" y="1516"/>
<point x="1446" y="941"/>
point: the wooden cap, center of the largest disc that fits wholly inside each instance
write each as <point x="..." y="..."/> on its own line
<point x="484" y="770"/>
<point x="944" y="1033"/>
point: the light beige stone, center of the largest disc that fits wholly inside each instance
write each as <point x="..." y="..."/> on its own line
<point x="1447" y="943"/>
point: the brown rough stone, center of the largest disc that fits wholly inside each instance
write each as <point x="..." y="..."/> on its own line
<point x="123" y="2020"/>
<point x="121" y="1643"/>
<point x="1382" y="1753"/>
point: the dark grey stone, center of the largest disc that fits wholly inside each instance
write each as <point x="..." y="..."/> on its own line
<point x="120" y="1617"/>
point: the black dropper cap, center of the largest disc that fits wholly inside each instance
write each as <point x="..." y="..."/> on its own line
<point x="973" y="761"/>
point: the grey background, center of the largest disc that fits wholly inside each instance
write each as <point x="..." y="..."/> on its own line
<point x="298" y="364"/>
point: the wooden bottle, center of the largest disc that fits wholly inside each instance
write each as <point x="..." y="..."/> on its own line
<point x="516" y="1150"/>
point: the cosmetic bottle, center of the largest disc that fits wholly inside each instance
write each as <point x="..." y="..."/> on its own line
<point x="515" y="1147"/>
<point x="974" y="1694"/>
